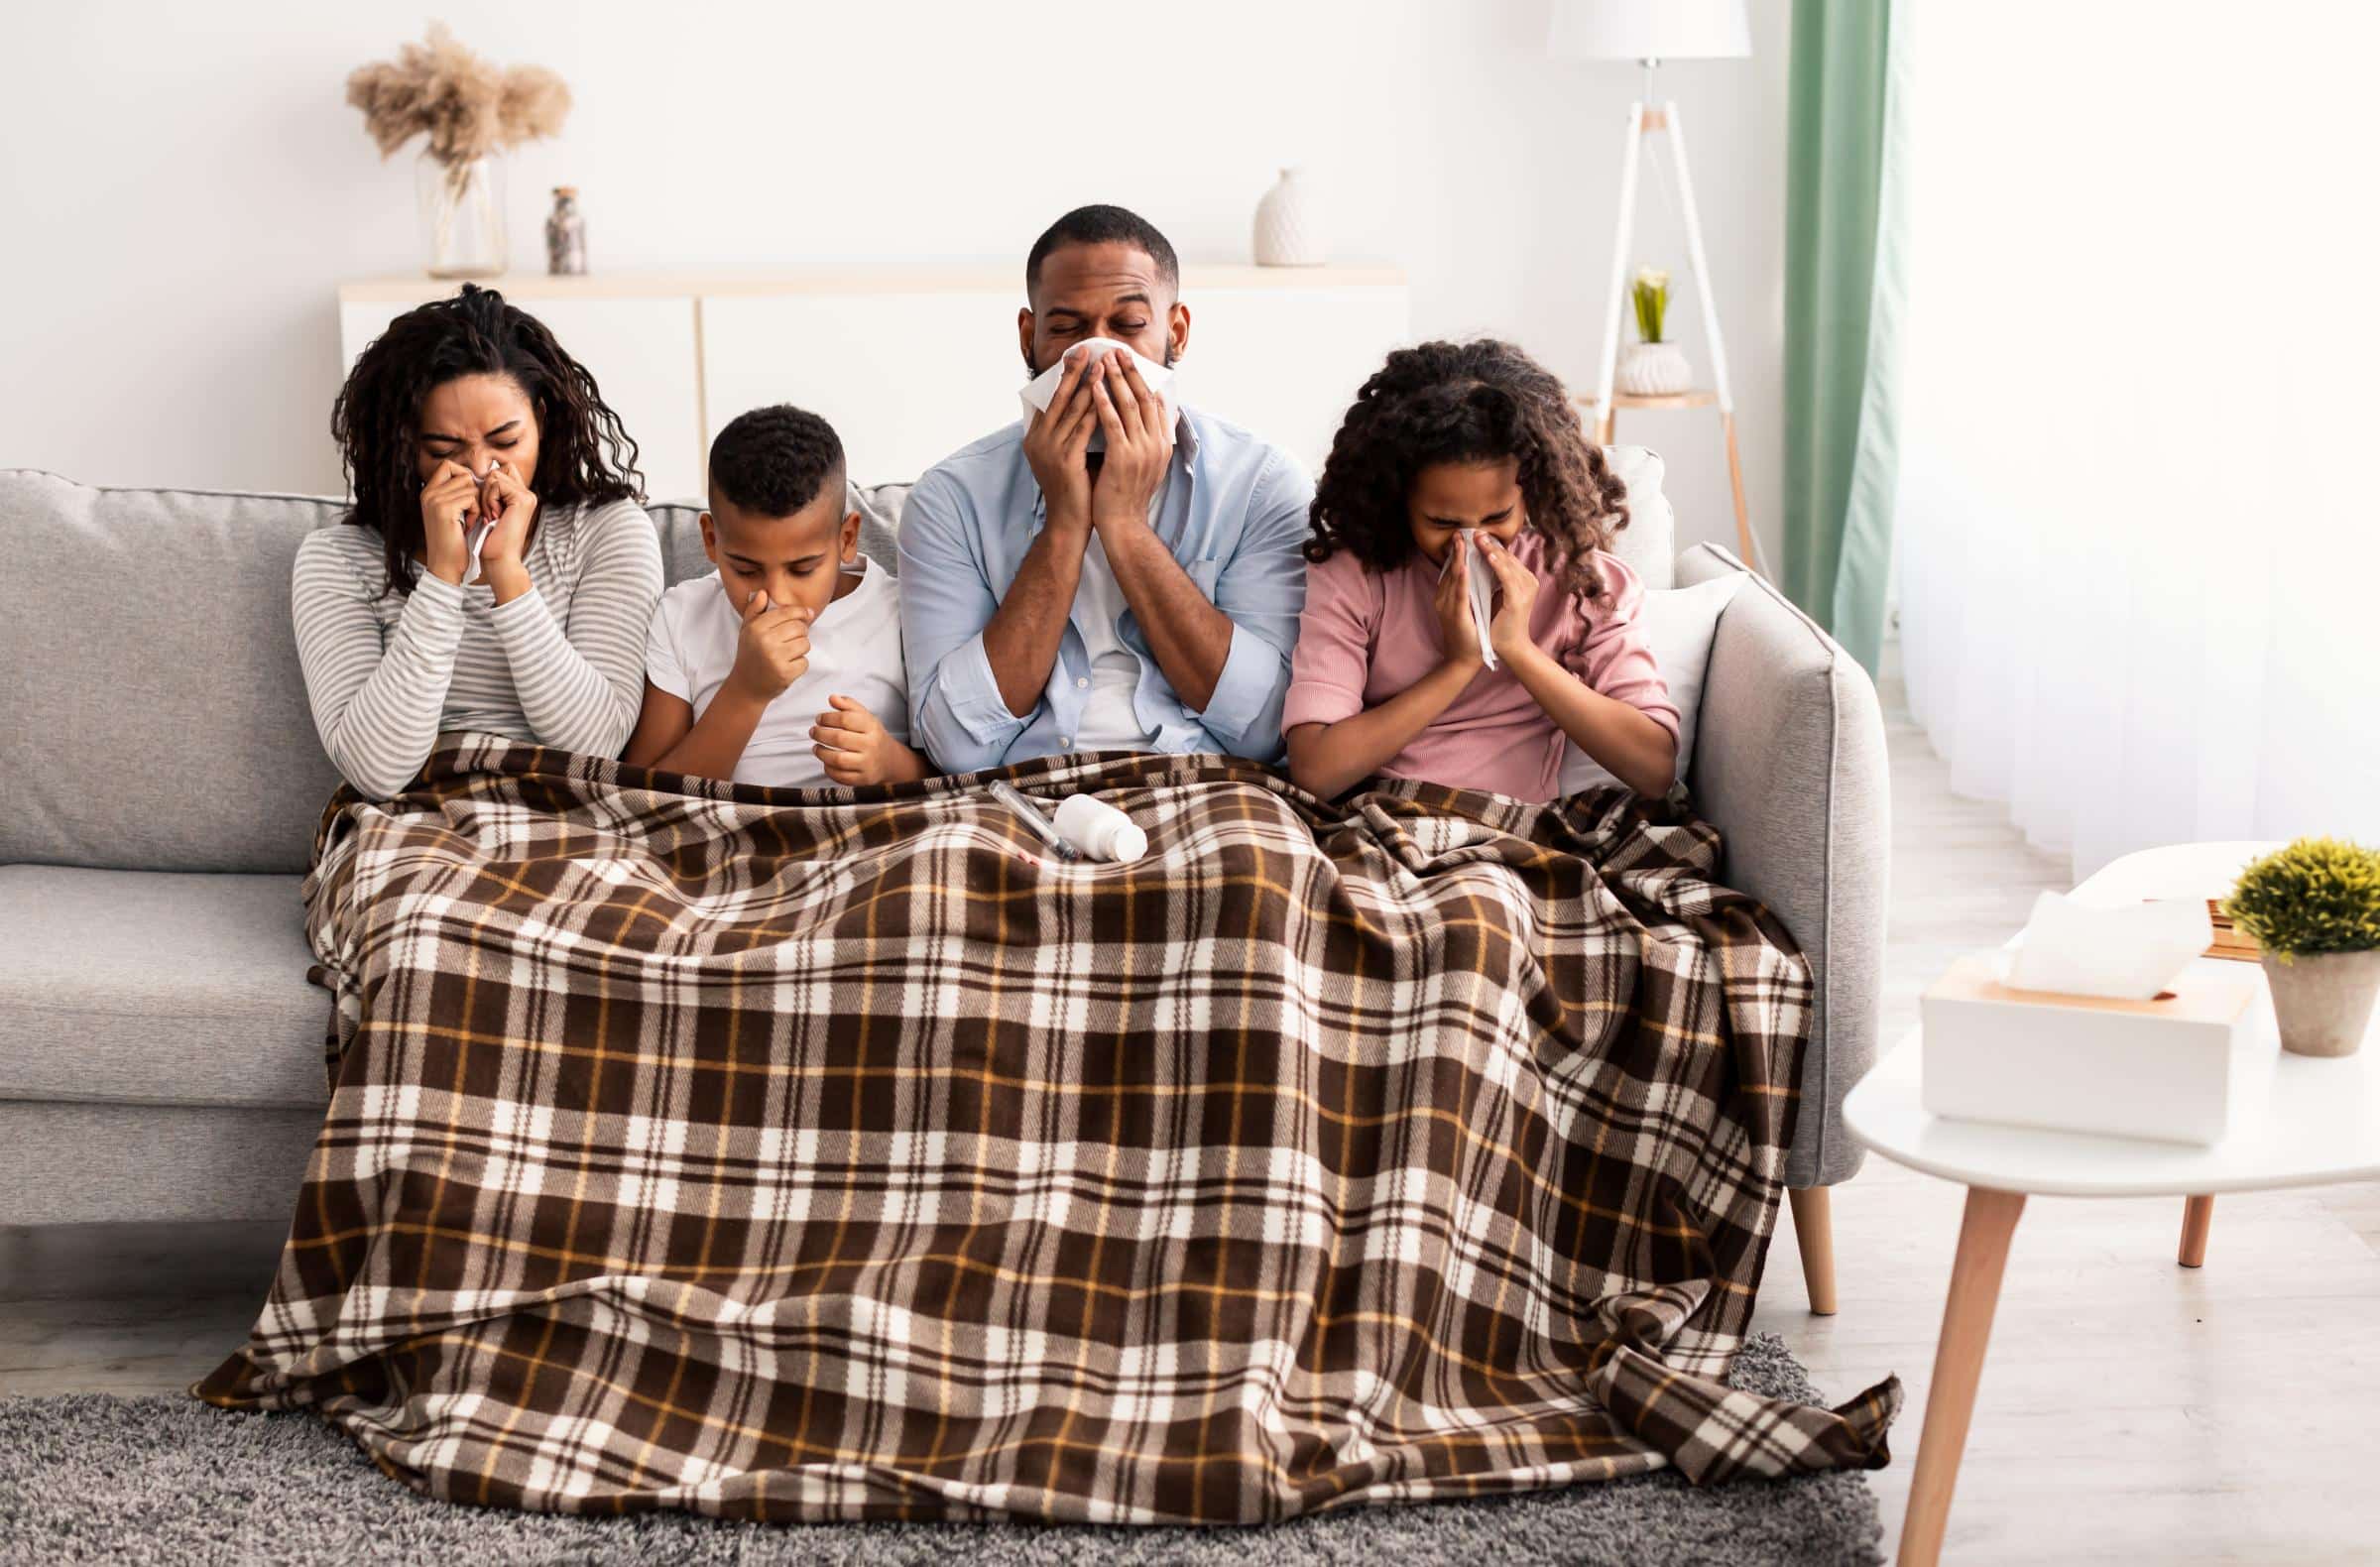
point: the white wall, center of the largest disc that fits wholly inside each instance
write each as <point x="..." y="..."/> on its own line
<point x="184" y="185"/>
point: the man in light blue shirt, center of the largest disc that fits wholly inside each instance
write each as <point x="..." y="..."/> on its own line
<point x="1144" y="598"/>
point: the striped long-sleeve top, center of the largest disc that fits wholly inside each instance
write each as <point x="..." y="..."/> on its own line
<point x="562" y="664"/>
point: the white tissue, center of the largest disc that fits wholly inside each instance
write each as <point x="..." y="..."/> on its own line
<point x="1482" y="588"/>
<point x="1036" y="393"/>
<point x="2130" y="953"/>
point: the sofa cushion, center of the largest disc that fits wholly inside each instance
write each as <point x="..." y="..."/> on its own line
<point x="157" y="717"/>
<point x="157" y="987"/>
<point x="1647" y="544"/>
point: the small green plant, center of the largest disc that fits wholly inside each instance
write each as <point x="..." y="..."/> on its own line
<point x="2319" y="894"/>
<point x="1651" y="292"/>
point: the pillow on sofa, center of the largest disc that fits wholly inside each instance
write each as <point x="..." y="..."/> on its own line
<point x="1679" y="624"/>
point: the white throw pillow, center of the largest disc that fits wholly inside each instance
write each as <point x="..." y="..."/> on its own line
<point x="1679" y="624"/>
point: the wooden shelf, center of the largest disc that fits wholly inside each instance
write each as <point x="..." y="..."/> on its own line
<point x="1701" y="397"/>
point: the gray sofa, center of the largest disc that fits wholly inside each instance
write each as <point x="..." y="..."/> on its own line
<point x="160" y="780"/>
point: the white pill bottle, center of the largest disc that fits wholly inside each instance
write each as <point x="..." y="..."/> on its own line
<point x="1098" y="830"/>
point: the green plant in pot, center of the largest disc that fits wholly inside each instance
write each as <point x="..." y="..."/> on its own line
<point x="1655" y="366"/>
<point x="2315" y="910"/>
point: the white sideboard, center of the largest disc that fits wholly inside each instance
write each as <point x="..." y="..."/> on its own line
<point x="910" y="364"/>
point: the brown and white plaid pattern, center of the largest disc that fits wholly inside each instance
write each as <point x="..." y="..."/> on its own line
<point x="804" y="1155"/>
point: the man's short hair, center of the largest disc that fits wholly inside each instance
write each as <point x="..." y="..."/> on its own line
<point x="1103" y="226"/>
<point x="773" y="461"/>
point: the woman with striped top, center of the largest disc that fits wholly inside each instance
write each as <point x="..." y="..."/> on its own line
<point x="497" y="573"/>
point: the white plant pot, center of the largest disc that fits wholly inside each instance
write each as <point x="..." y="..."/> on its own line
<point x="2324" y="999"/>
<point x="1653" y="370"/>
<point x="1289" y="224"/>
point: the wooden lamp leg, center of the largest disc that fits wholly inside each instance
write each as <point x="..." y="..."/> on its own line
<point x="1813" y="1232"/>
<point x="1957" y="1366"/>
<point x="2198" y="1218"/>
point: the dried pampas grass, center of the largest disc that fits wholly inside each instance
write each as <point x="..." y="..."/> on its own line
<point x="467" y="107"/>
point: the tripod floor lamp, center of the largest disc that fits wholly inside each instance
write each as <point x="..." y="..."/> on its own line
<point x="1650" y="32"/>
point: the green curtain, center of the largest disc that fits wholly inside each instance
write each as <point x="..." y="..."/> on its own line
<point x="1842" y="293"/>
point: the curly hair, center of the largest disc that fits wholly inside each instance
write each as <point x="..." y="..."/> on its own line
<point x="583" y="455"/>
<point x="1475" y="401"/>
<point x="775" y="461"/>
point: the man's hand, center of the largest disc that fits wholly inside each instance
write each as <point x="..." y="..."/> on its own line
<point x="1139" y="442"/>
<point x="507" y="503"/>
<point x="450" y="496"/>
<point x="856" y="750"/>
<point x="772" y="651"/>
<point x="1458" y="633"/>
<point x="1057" y="447"/>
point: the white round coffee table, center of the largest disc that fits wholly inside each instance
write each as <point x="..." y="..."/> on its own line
<point x="2319" y="1123"/>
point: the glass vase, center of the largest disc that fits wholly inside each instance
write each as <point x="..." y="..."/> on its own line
<point x="462" y="215"/>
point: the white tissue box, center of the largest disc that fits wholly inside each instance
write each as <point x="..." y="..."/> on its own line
<point x="2170" y="1070"/>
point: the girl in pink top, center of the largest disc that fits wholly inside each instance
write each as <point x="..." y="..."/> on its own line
<point x="1450" y="438"/>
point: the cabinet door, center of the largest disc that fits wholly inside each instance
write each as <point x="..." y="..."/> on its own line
<point x="640" y="352"/>
<point x="905" y="377"/>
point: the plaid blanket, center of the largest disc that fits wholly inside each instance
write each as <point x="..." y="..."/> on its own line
<point x="816" y="1155"/>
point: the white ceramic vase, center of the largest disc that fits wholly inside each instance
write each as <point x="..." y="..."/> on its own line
<point x="1653" y="370"/>
<point x="2323" y="1001"/>
<point x="1289" y="224"/>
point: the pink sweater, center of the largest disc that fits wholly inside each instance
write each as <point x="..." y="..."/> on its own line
<point x="1365" y="636"/>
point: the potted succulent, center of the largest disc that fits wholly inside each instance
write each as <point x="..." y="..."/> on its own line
<point x="1653" y="367"/>
<point x="2313" y="909"/>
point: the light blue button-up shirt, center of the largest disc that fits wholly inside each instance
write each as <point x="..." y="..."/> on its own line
<point x="1234" y="513"/>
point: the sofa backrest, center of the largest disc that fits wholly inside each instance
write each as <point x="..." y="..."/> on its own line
<point x="157" y="717"/>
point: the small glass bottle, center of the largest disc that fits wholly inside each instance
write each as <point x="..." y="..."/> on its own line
<point x="565" y="235"/>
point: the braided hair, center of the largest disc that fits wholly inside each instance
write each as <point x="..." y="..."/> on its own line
<point x="1476" y="402"/>
<point x="584" y="456"/>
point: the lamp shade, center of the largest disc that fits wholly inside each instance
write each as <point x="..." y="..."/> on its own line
<point x="1650" y="29"/>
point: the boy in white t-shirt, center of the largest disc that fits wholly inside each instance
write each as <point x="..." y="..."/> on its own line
<point x="784" y="667"/>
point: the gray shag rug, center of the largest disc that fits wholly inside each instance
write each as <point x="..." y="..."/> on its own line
<point x="92" y="1477"/>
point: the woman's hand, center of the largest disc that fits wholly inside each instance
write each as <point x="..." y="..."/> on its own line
<point x="1509" y="631"/>
<point x="1456" y="631"/>
<point x="450" y="497"/>
<point x="507" y="503"/>
<point x="856" y="750"/>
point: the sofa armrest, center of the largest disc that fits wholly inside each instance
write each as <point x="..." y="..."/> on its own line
<point x="1789" y="766"/>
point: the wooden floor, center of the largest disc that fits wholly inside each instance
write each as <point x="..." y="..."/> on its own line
<point x="2131" y="1411"/>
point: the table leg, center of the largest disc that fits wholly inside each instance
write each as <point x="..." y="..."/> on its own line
<point x="1957" y="1366"/>
<point x="2197" y="1219"/>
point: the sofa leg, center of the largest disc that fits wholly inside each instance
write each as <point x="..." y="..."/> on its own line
<point x="1814" y="1231"/>
<point x="2197" y="1219"/>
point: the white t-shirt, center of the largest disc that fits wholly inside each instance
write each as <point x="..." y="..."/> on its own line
<point x="855" y="651"/>
<point x="1108" y="722"/>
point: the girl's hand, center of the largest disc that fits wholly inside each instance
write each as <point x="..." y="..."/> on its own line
<point x="1509" y="631"/>
<point x="1456" y="631"/>
<point x="507" y="503"/>
<point x="450" y="496"/>
<point x="852" y="743"/>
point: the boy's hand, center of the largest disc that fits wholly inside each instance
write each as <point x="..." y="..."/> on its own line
<point x="1509" y="631"/>
<point x="772" y="651"/>
<point x="855" y="747"/>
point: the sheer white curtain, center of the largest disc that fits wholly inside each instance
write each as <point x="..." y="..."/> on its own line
<point x="2138" y="528"/>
